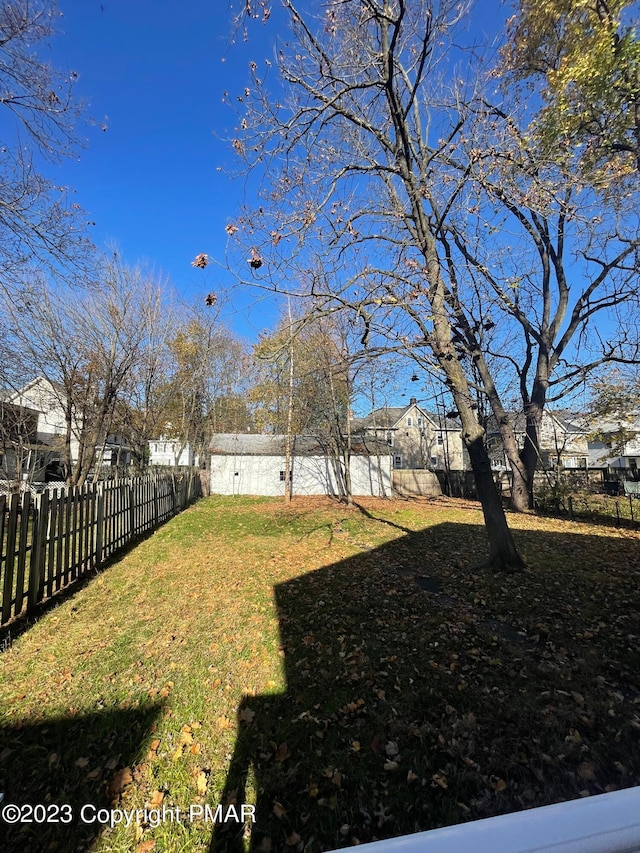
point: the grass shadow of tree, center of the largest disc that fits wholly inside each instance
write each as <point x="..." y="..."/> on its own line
<point x="67" y="761"/>
<point x="402" y="713"/>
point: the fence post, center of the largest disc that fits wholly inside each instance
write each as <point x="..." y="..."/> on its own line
<point x="10" y="556"/>
<point x="51" y="542"/>
<point x="25" y="514"/>
<point x="99" y="523"/>
<point x="132" y="511"/>
<point x="3" y="503"/>
<point x="38" y="550"/>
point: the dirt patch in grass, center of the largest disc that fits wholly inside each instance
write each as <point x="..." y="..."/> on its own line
<point x="338" y="668"/>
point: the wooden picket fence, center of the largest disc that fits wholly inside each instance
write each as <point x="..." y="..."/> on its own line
<point x="49" y="541"/>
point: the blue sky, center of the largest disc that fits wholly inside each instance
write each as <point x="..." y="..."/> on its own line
<point x="156" y="181"/>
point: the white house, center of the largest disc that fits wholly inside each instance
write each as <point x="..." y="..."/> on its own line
<point x="615" y="445"/>
<point x="42" y="403"/>
<point x="245" y="464"/>
<point x="170" y="452"/>
<point x="563" y="440"/>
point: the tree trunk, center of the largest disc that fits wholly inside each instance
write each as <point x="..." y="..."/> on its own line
<point x="520" y="483"/>
<point x="287" y="454"/>
<point x="530" y="454"/>
<point x="503" y="555"/>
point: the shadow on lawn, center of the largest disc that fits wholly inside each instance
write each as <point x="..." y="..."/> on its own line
<point x="69" y="760"/>
<point x="403" y="712"/>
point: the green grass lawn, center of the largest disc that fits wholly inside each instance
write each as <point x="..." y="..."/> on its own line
<point x="341" y="669"/>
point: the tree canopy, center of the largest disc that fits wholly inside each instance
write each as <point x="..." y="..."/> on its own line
<point x="584" y="59"/>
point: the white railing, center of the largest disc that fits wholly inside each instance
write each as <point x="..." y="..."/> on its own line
<point x="607" y="823"/>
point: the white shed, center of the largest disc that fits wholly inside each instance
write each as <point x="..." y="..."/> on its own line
<point x="255" y="465"/>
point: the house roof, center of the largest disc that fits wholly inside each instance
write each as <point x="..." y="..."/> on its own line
<point x="389" y="416"/>
<point x="568" y="422"/>
<point x="250" y="444"/>
<point x="630" y="424"/>
<point x="598" y="458"/>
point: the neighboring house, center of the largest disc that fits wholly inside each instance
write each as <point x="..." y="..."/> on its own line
<point x="563" y="441"/>
<point x="614" y="447"/>
<point x="20" y="450"/>
<point x="171" y="452"/>
<point x="45" y="401"/>
<point x="247" y="464"/>
<point x="417" y="438"/>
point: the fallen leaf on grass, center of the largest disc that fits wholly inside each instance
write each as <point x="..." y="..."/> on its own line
<point x="279" y="810"/>
<point x="282" y="753"/>
<point x="145" y="846"/>
<point x="587" y="771"/>
<point x="156" y="799"/>
<point x="119" y="782"/>
<point x="391" y="749"/>
<point x="223" y="723"/>
<point x="247" y="715"/>
<point x="440" y="779"/>
<point x="202" y="781"/>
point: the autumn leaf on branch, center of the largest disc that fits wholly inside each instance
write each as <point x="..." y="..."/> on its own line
<point x="201" y="261"/>
<point x="255" y="261"/>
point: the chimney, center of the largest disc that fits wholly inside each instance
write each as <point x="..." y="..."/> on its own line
<point x="413" y="401"/>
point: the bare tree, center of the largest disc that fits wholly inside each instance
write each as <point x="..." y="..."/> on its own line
<point x="549" y="269"/>
<point x="205" y="378"/>
<point x="85" y="340"/>
<point x="37" y="219"/>
<point x="359" y="145"/>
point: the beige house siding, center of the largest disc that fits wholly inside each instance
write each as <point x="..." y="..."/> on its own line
<point x="562" y="442"/>
<point x="417" y="439"/>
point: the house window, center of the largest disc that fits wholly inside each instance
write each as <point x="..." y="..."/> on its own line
<point x="282" y="473"/>
<point x="434" y="461"/>
<point x="409" y="421"/>
<point x="390" y="440"/>
<point x="439" y="438"/>
<point x="397" y="460"/>
<point x="420" y="422"/>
